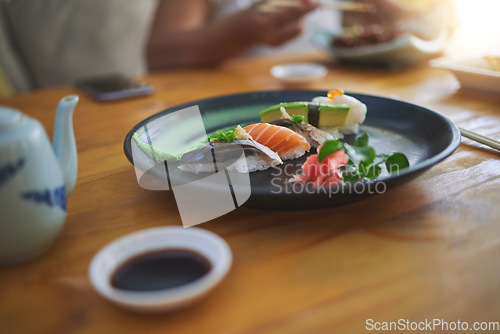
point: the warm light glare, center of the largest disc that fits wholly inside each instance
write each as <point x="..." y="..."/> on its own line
<point x="479" y="23"/>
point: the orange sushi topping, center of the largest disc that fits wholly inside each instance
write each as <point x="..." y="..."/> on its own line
<point x="336" y="92"/>
<point x="278" y="138"/>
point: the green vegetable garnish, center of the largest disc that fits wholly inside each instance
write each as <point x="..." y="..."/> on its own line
<point x="366" y="154"/>
<point x="362" y="141"/>
<point x="365" y="163"/>
<point x="369" y="171"/>
<point x="329" y="147"/>
<point x="298" y="118"/>
<point x="396" y="161"/>
<point x="224" y="137"/>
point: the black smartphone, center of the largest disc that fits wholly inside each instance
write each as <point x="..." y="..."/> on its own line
<point x="113" y="87"/>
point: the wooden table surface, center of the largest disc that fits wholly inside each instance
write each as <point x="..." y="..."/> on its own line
<point x="428" y="249"/>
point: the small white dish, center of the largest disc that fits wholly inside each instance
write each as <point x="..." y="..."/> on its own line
<point x="472" y="71"/>
<point x="298" y="72"/>
<point x="109" y="258"/>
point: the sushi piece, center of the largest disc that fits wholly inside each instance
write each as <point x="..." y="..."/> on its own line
<point x="337" y="113"/>
<point x="318" y="115"/>
<point x="314" y="136"/>
<point x="226" y="152"/>
<point x="285" y="142"/>
<point x="357" y="112"/>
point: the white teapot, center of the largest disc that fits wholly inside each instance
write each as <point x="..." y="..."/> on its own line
<point x="35" y="179"/>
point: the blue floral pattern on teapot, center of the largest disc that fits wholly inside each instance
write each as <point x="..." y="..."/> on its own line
<point x="35" y="178"/>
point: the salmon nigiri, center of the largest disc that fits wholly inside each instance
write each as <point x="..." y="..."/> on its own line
<point x="287" y="143"/>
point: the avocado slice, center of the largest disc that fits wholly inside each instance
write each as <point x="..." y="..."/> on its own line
<point x="273" y="113"/>
<point x="333" y="115"/>
<point x="329" y="115"/>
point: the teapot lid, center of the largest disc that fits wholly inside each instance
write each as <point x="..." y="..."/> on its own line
<point x="9" y="118"/>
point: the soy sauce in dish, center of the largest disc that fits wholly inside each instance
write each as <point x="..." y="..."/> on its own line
<point x="160" y="269"/>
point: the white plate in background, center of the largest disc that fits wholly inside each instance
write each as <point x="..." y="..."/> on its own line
<point x="472" y="71"/>
<point x="404" y="49"/>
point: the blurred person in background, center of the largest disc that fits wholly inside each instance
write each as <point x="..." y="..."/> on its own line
<point x="209" y="32"/>
<point x="201" y="32"/>
<point x="53" y="42"/>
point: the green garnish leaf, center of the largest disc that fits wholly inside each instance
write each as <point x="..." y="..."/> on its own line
<point x="350" y="174"/>
<point x="395" y="162"/>
<point x="364" y="154"/>
<point x="329" y="147"/>
<point x="298" y="119"/>
<point x="386" y="155"/>
<point x="367" y="163"/>
<point x="350" y="177"/>
<point x="362" y="141"/>
<point x="369" y="171"/>
<point x="224" y="137"/>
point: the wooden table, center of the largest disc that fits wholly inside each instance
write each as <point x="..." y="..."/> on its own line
<point x="429" y="249"/>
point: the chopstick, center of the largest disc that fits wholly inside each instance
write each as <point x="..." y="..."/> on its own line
<point x="480" y="139"/>
<point x="353" y="6"/>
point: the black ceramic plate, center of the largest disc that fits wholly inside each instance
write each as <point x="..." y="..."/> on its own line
<point x="425" y="136"/>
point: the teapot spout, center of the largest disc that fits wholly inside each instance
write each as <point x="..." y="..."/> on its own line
<point x="63" y="141"/>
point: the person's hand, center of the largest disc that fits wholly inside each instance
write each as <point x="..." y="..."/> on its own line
<point x="274" y="22"/>
<point x="183" y="35"/>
